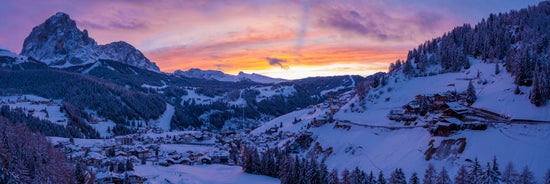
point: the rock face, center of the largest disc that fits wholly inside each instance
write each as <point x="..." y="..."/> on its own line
<point x="128" y="54"/>
<point x="58" y="42"/>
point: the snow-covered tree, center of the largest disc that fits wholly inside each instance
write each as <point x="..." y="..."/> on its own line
<point x="397" y="177"/>
<point x="430" y="175"/>
<point x="333" y="177"/>
<point x="414" y="179"/>
<point x="443" y="177"/>
<point x="509" y="175"/>
<point x="346" y="176"/>
<point x="461" y="175"/>
<point x="475" y="173"/>
<point x="526" y="176"/>
<point x="489" y="176"/>
<point x="470" y="93"/>
<point x="546" y="177"/>
<point x="381" y="178"/>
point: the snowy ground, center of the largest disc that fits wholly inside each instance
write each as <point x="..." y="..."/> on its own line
<point x="53" y="113"/>
<point x="197" y="174"/>
<point x="163" y="121"/>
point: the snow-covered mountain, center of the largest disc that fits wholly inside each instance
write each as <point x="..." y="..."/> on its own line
<point x="220" y="76"/>
<point x="128" y="54"/>
<point x="58" y="42"/>
<point x="259" y="78"/>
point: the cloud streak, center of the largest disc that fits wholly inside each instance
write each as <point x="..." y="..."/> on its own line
<point x="277" y="62"/>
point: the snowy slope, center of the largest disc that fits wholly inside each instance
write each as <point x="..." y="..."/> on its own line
<point x="163" y="121"/>
<point x="376" y="143"/>
<point x="497" y="95"/>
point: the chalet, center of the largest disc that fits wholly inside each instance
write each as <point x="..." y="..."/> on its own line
<point x="205" y="160"/>
<point x="455" y="109"/>
<point x="220" y="157"/>
<point x="272" y="130"/>
<point x="412" y="107"/>
<point x="124" y="140"/>
<point x="321" y="120"/>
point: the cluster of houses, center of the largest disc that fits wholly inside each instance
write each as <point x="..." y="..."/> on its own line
<point x="112" y="160"/>
<point x="443" y="113"/>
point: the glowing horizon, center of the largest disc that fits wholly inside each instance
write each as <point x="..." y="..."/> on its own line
<point x="282" y="39"/>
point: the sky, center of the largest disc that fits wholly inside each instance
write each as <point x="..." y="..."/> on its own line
<point x="284" y="39"/>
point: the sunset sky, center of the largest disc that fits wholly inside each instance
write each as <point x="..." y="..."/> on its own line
<point x="285" y="39"/>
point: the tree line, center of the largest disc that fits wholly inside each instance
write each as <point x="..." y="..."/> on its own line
<point x="519" y="39"/>
<point x="293" y="169"/>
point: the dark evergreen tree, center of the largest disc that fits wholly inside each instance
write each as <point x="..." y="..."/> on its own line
<point x="495" y="170"/>
<point x="414" y="179"/>
<point x="471" y="93"/>
<point x="397" y="177"/>
<point x="526" y="176"/>
<point x="443" y="177"/>
<point x="546" y="177"/>
<point x="370" y="178"/>
<point x="474" y="176"/>
<point x="430" y="175"/>
<point x="333" y="177"/>
<point x="381" y="179"/>
<point x="461" y="175"/>
<point x="346" y="176"/>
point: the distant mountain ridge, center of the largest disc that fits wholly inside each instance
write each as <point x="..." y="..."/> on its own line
<point x="220" y="76"/>
<point x="59" y="43"/>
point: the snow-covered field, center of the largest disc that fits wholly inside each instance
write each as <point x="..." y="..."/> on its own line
<point x="198" y="174"/>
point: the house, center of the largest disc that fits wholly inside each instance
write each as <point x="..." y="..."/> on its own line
<point x="454" y="109"/>
<point x="124" y="140"/>
<point x="447" y="126"/>
<point x="205" y="160"/>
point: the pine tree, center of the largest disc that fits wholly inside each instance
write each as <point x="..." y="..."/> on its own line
<point x="430" y="175"/>
<point x="414" y="179"/>
<point x="475" y="173"/>
<point x="547" y="177"/>
<point x="461" y="175"/>
<point x="496" y="172"/>
<point x="443" y="177"/>
<point x="324" y="172"/>
<point x="345" y="176"/>
<point x="370" y="178"/>
<point x="509" y="175"/>
<point x="381" y="179"/>
<point x="397" y="177"/>
<point x="471" y="93"/>
<point x="488" y="176"/>
<point x="526" y="176"/>
<point x="517" y="91"/>
<point x="333" y="177"/>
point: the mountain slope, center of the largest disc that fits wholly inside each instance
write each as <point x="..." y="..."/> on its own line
<point x="376" y="143"/>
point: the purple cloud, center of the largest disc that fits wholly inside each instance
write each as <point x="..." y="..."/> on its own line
<point x="351" y="21"/>
<point x="277" y="62"/>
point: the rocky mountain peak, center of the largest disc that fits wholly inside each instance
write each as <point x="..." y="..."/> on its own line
<point x="58" y="42"/>
<point x="128" y="54"/>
